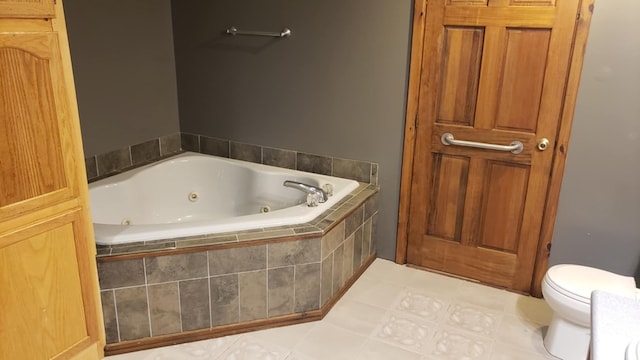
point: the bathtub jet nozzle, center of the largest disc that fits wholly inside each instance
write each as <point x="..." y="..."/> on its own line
<point x="314" y="192"/>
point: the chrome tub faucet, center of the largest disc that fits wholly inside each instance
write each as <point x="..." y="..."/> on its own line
<point x="315" y="194"/>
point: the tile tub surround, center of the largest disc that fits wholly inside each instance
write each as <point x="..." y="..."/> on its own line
<point x="116" y="161"/>
<point x="180" y="290"/>
<point x="119" y="160"/>
<point x="361" y="171"/>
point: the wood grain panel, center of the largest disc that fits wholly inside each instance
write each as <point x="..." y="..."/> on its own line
<point x="481" y="264"/>
<point x="460" y="73"/>
<point x="39" y="166"/>
<point x="31" y="163"/>
<point x="27" y="8"/>
<point x="503" y="206"/>
<point x="448" y="196"/>
<point x="467" y="2"/>
<point x="497" y="137"/>
<point x="525" y="60"/>
<point x="413" y="96"/>
<point x="516" y="16"/>
<point x="41" y="285"/>
<point x="532" y="2"/>
<point x="506" y="3"/>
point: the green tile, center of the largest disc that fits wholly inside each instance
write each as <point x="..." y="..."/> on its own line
<point x="253" y="295"/>
<point x="123" y="273"/>
<point x="164" y="308"/>
<point x="307" y="287"/>
<point x="233" y="260"/>
<point x="109" y="316"/>
<point x="194" y="303"/>
<point x="280" y="291"/>
<point x="294" y="252"/>
<point x="176" y="267"/>
<point x="224" y="299"/>
<point x="326" y="279"/>
<point x="133" y="313"/>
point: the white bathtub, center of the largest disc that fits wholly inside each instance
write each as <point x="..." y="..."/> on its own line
<point x="194" y="194"/>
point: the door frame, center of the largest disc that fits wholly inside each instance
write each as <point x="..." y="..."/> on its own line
<point x="418" y="48"/>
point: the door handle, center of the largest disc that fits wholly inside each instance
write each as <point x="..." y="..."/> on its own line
<point x="515" y="147"/>
<point x="543" y="144"/>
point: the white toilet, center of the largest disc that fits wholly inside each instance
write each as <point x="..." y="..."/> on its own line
<point x="567" y="289"/>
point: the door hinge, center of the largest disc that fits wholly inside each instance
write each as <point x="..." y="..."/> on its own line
<point x="415" y="122"/>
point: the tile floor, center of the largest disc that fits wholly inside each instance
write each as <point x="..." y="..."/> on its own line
<point x="396" y="313"/>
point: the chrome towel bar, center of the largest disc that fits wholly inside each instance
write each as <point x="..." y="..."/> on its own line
<point x="234" y="31"/>
<point x="515" y="147"/>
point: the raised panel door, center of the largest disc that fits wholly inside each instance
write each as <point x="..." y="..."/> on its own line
<point x="493" y="72"/>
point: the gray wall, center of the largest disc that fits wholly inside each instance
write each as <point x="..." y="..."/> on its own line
<point x="336" y="87"/>
<point x="598" y="222"/>
<point x="123" y="62"/>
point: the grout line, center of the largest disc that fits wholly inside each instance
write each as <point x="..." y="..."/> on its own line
<point x="239" y="298"/>
<point x="293" y="305"/>
<point x="179" y="305"/>
<point x="209" y="294"/>
<point x="266" y="281"/>
<point x="115" y="307"/>
<point x="146" y="290"/>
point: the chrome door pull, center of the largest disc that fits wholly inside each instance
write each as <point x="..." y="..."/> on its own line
<point x="515" y="147"/>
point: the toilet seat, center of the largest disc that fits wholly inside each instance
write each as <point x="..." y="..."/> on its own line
<point x="577" y="282"/>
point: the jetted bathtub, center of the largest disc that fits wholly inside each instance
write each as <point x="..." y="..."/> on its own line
<point x="195" y="194"/>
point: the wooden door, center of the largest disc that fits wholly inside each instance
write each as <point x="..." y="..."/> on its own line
<point x="492" y="72"/>
<point x="27" y="8"/>
<point x="48" y="279"/>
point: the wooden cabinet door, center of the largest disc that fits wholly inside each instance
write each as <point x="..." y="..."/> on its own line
<point x="27" y="8"/>
<point x="40" y="275"/>
<point x="48" y="279"/>
<point x="36" y="126"/>
<point x="493" y="72"/>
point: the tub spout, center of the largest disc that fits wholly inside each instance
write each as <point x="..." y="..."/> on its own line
<point x="309" y="189"/>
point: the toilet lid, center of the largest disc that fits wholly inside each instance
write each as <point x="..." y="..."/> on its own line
<point x="633" y="350"/>
<point x="579" y="281"/>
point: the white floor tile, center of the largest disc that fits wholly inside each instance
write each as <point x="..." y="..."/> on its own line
<point x="355" y="316"/>
<point x="456" y="344"/>
<point x="406" y="331"/>
<point x="299" y="356"/>
<point x="426" y="305"/>
<point x="376" y="293"/>
<point x="204" y="350"/>
<point x="430" y="281"/>
<point x="397" y="313"/>
<point x="507" y="352"/>
<point x="285" y="336"/>
<point x="252" y="348"/>
<point x="529" y="308"/>
<point x="376" y="350"/>
<point x="482" y="295"/>
<point x="474" y="319"/>
<point x="521" y="333"/>
<point x="385" y="270"/>
<point x="327" y="341"/>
